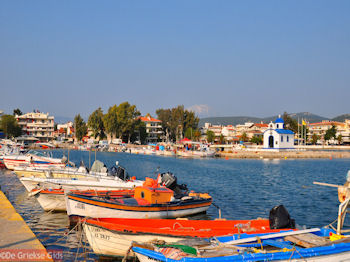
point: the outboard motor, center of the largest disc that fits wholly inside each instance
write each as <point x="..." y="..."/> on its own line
<point x="121" y="173"/>
<point x="170" y="181"/>
<point x="279" y="218"/>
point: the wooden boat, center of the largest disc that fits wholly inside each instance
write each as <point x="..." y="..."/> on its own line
<point x="53" y="199"/>
<point x="113" y="236"/>
<point x="148" y="202"/>
<point x="303" y="245"/>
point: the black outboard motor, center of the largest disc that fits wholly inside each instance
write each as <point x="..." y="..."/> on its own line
<point x="170" y="181"/>
<point x="279" y="218"/>
<point x="119" y="172"/>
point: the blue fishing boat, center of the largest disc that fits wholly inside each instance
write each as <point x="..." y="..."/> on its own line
<point x="300" y="245"/>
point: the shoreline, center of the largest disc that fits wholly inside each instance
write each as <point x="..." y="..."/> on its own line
<point x="285" y="155"/>
<point x="304" y="152"/>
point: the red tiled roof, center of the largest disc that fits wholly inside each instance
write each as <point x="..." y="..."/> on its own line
<point x="327" y="123"/>
<point x="261" y="125"/>
<point x="149" y="119"/>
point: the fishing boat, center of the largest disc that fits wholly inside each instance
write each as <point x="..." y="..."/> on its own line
<point x="316" y="244"/>
<point x="98" y="169"/>
<point x="88" y="183"/>
<point x="53" y="199"/>
<point x="148" y="202"/>
<point x="33" y="159"/>
<point x="113" y="236"/>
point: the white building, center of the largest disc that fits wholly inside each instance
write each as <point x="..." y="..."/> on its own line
<point x="276" y="137"/>
<point x="38" y="125"/>
<point x="154" y="129"/>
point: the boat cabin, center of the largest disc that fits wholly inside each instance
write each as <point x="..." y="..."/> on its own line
<point x="154" y="195"/>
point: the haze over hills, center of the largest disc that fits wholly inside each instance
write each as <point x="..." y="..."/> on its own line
<point x="235" y="120"/>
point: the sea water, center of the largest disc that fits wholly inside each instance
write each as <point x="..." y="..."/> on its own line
<point x="241" y="188"/>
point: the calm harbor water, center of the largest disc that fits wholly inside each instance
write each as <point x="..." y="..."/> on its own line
<point x="243" y="189"/>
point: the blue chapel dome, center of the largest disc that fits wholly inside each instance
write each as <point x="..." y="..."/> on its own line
<point x="279" y="120"/>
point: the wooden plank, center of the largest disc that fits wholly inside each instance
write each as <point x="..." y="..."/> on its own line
<point x="307" y="240"/>
<point x="274" y="235"/>
<point x="326" y="184"/>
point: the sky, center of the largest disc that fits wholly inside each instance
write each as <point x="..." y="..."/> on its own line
<point x="218" y="58"/>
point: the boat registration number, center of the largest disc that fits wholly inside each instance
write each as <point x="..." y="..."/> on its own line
<point x="80" y="206"/>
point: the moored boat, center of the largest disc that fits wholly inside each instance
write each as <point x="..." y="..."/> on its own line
<point x="113" y="236"/>
<point x="33" y="159"/>
<point x="54" y="199"/>
<point x="148" y="202"/>
<point x="304" y="245"/>
<point x="88" y="183"/>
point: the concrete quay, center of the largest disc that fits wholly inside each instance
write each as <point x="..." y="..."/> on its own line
<point x="260" y="154"/>
<point x="17" y="241"/>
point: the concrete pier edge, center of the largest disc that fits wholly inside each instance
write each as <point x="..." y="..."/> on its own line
<point x="17" y="240"/>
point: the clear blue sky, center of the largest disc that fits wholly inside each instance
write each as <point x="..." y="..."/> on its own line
<point x="229" y="58"/>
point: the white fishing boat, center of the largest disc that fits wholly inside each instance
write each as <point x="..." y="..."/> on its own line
<point x="87" y="183"/>
<point x="98" y="169"/>
<point x="54" y="199"/>
<point x="33" y="159"/>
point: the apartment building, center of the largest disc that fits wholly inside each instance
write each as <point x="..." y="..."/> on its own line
<point x="38" y="125"/>
<point x="321" y="128"/>
<point x="154" y="129"/>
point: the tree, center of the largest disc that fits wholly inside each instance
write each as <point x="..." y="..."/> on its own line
<point x="189" y="133"/>
<point x="9" y="126"/>
<point x="290" y="123"/>
<point x="222" y="139"/>
<point x="340" y="139"/>
<point x="256" y="140"/>
<point x="314" y="139"/>
<point x="197" y="135"/>
<point x="210" y="136"/>
<point x="17" y="111"/>
<point x="110" y="122"/>
<point x="330" y="133"/>
<point x="177" y="120"/>
<point x="80" y="127"/>
<point x="244" y="137"/>
<point x="95" y="123"/>
<point x="128" y="119"/>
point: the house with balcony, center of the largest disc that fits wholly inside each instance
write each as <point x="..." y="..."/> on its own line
<point x="37" y="124"/>
<point x="321" y="128"/>
<point x="154" y="129"/>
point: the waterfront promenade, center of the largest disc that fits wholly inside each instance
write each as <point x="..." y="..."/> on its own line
<point x="285" y="154"/>
<point x="17" y="241"/>
<point x="304" y="152"/>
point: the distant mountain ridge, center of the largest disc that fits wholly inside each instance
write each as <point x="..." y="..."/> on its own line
<point x="235" y="120"/>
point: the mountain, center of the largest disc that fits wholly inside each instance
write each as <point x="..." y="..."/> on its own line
<point x="235" y="120"/>
<point x="341" y="118"/>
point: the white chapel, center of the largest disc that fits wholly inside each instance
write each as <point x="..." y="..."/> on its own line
<point x="277" y="137"/>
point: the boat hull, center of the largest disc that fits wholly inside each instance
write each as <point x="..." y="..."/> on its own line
<point x="87" y="207"/>
<point x="52" y="202"/>
<point x="108" y="243"/>
<point x="90" y="183"/>
<point x="114" y="236"/>
<point x="78" y="207"/>
<point x="145" y="255"/>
